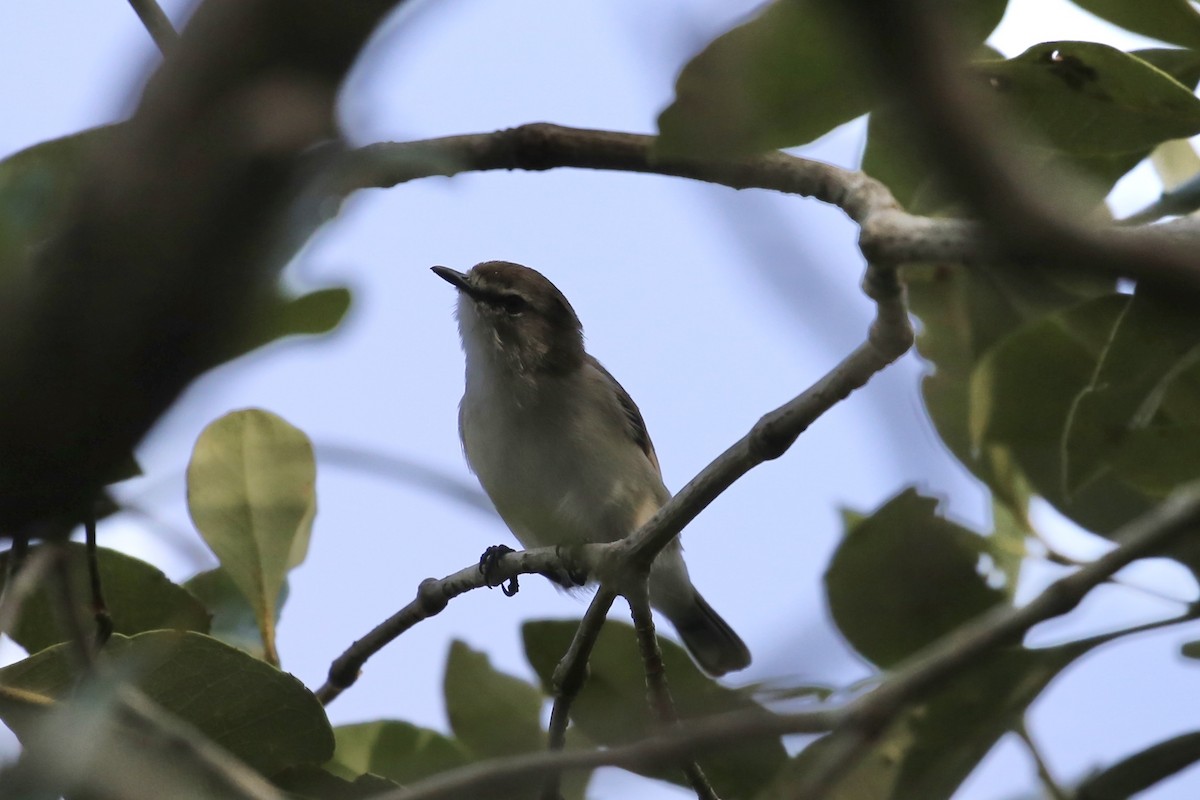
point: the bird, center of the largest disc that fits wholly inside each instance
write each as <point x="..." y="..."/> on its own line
<point x="560" y="447"/>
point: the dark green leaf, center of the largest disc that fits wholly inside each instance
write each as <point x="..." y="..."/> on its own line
<point x="314" y="783"/>
<point x="492" y="713"/>
<point x="1182" y="65"/>
<point x="928" y="751"/>
<point x="281" y="316"/>
<point x="789" y="75"/>
<point x="1090" y="99"/>
<point x="1057" y="354"/>
<point x="611" y="708"/>
<point x="1191" y="650"/>
<point x="1174" y="21"/>
<point x="263" y="716"/>
<point x="233" y="620"/>
<point x="1152" y="340"/>
<point x="398" y="751"/>
<point x="251" y="496"/>
<point x="905" y="577"/>
<point x="139" y="598"/>
<point x="1143" y="770"/>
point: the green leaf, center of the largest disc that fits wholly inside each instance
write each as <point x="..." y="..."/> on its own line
<point x="1058" y="354"/>
<point x="233" y="620"/>
<point x="883" y="612"/>
<point x="1174" y="21"/>
<point x="251" y="496"/>
<point x="781" y="79"/>
<point x="313" y="783"/>
<point x="1143" y="770"/>
<point x="1182" y="65"/>
<point x="786" y="77"/>
<point x="399" y="751"/>
<point x="964" y="313"/>
<point x="929" y="750"/>
<point x="611" y="708"/>
<point x="1154" y="338"/>
<point x="492" y="713"/>
<point x="1090" y="99"/>
<point x="1191" y="650"/>
<point x="138" y="595"/>
<point x="263" y="716"/>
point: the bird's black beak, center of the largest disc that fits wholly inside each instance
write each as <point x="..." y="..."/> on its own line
<point x="455" y="278"/>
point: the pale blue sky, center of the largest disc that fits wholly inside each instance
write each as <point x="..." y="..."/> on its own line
<point x="710" y="306"/>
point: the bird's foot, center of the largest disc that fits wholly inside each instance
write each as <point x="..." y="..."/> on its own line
<point x="487" y="568"/>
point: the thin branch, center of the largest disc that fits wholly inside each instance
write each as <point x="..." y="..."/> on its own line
<point x="1052" y="786"/>
<point x="888" y="235"/>
<point x="103" y="620"/>
<point x="1145" y="536"/>
<point x="569" y="677"/>
<point x="432" y="597"/>
<point x="689" y="739"/>
<point x="657" y="690"/>
<point x="157" y="24"/>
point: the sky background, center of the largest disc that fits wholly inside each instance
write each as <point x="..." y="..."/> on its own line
<point x="710" y="306"/>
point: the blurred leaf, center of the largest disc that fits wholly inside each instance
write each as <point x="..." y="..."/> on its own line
<point x="1191" y="650"/>
<point x="251" y="496"/>
<point x="398" y="751"/>
<point x="233" y="620"/>
<point x="611" y="708"/>
<point x="885" y="612"/>
<point x="37" y="186"/>
<point x="872" y="776"/>
<point x="784" y="78"/>
<point x="960" y="725"/>
<point x="138" y="595"/>
<point x="263" y="716"/>
<point x="1090" y="99"/>
<point x="930" y="750"/>
<point x="313" y="783"/>
<point x="281" y="316"/>
<point x="1143" y="770"/>
<point x="1174" y="21"/>
<point x="1176" y="162"/>
<point x="492" y="713"/>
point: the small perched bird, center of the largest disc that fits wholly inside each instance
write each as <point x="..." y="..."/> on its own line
<point x="560" y="447"/>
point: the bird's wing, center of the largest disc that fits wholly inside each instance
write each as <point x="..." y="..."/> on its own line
<point x="636" y="426"/>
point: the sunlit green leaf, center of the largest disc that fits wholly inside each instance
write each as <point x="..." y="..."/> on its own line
<point x="251" y="496"/>
<point x="611" y="708"/>
<point x="904" y="577"/>
<point x="138" y="595"/>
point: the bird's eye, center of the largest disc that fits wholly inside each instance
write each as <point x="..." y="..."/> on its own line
<point x="513" y="304"/>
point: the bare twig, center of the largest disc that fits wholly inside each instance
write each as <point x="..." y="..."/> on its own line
<point x="103" y="620"/>
<point x="1049" y="783"/>
<point x="157" y="24"/>
<point x="657" y="689"/>
<point x="569" y="676"/>
<point x="432" y="597"/>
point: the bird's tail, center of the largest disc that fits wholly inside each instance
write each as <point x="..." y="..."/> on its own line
<point x="710" y="640"/>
